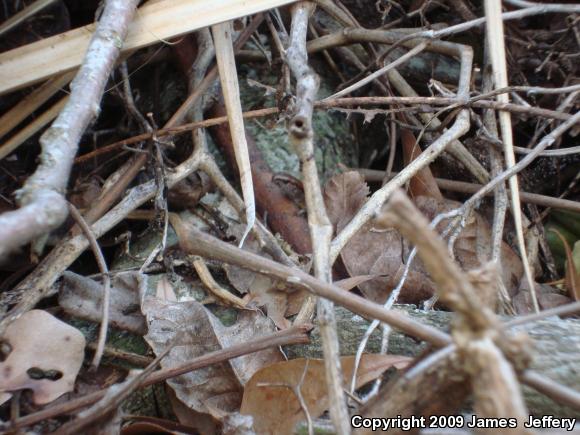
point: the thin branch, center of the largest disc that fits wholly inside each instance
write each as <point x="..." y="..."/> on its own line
<point x="459" y="127"/>
<point x="301" y="136"/>
<point x="106" y="283"/>
<point x="42" y="204"/>
<point x="375" y="176"/>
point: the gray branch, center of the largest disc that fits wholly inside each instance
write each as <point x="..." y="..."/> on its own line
<point x="43" y="206"/>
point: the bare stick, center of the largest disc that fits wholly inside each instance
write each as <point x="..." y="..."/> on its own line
<point x="413" y="52"/>
<point x="459" y="127"/>
<point x="374" y="176"/>
<point x="106" y="283"/>
<point x="207" y="279"/>
<point x="42" y="204"/>
<point x="222" y="34"/>
<point x="495" y="36"/>
<point x="301" y="136"/>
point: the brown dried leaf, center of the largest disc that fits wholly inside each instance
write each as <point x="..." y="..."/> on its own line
<point x="46" y="348"/>
<point x="82" y="297"/>
<point x="344" y="194"/>
<point x="269" y="398"/>
<point x="217" y="389"/>
<point x="548" y="297"/>
<point x="273" y="295"/>
<point x="381" y="253"/>
<point x="423" y="183"/>
<point x="371" y="252"/>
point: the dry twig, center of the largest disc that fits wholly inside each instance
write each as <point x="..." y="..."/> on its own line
<point x="42" y="204"/>
<point x="301" y="136"/>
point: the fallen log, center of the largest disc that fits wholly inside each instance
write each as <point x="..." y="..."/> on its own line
<point x="556" y="349"/>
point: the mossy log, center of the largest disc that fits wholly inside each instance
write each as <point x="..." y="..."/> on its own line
<point x="556" y="349"/>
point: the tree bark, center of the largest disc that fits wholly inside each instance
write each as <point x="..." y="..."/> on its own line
<point x="556" y="349"/>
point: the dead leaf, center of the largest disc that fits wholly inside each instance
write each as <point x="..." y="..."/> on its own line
<point x="382" y="253"/>
<point x="423" y="183"/>
<point x="82" y="297"/>
<point x="369" y="252"/>
<point x="344" y="195"/>
<point x="277" y="298"/>
<point x="548" y="297"/>
<point x="46" y="356"/>
<point x="217" y="389"/>
<point x="269" y="398"/>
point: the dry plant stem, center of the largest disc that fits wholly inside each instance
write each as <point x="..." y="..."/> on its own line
<point x="413" y="52"/>
<point x="375" y="176"/>
<point x="42" y="204"/>
<point x="198" y="243"/>
<point x="421" y="101"/>
<point x="536" y="9"/>
<point x="24" y="14"/>
<point x="301" y="136"/>
<point x="293" y="335"/>
<point x="495" y="37"/>
<point x="206" y="277"/>
<point x="496" y="163"/>
<point x="352" y="35"/>
<point x="459" y="127"/>
<point x="31" y="102"/>
<point x="546" y="141"/>
<point x="106" y="284"/>
<point x="32" y="128"/>
<point x="562" y="310"/>
<point x="222" y="34"/>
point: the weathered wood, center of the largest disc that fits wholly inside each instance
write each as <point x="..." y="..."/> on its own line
<point x="556" y="343"/>
<point x="153" y="23"/>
